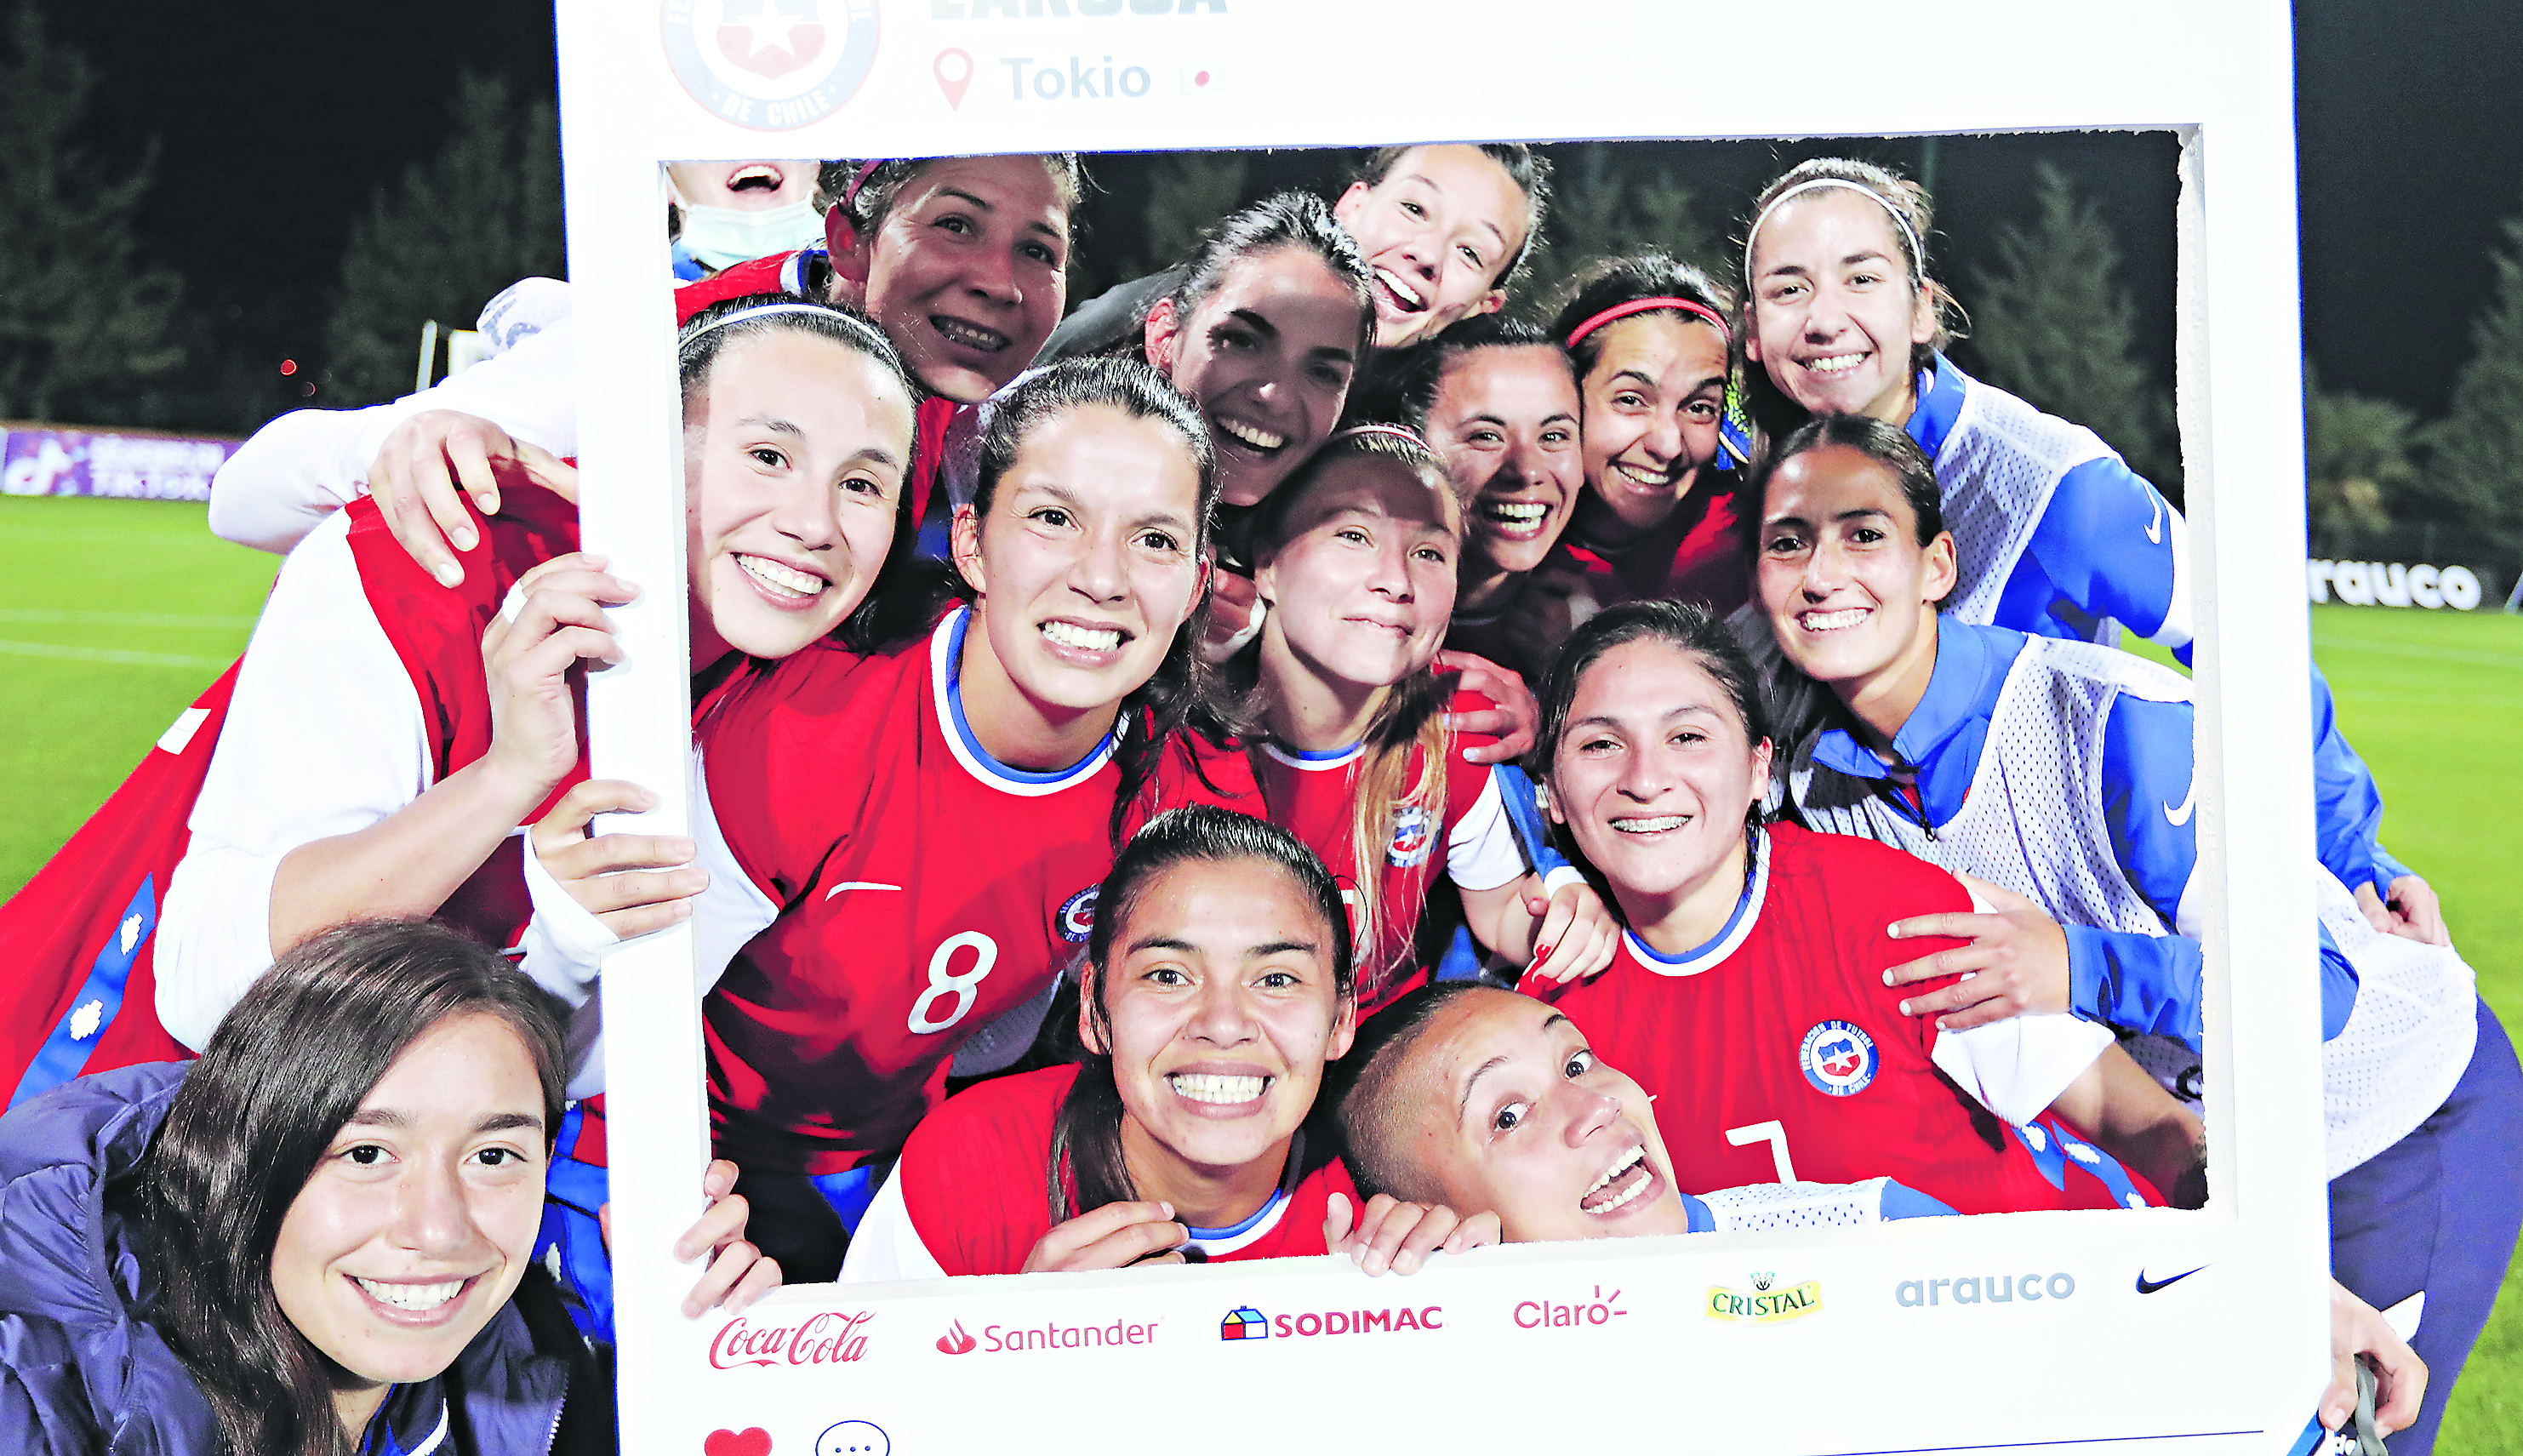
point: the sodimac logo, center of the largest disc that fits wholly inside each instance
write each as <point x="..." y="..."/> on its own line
<point x="1247" y="1323"/>
<point x="825" y="1337"/>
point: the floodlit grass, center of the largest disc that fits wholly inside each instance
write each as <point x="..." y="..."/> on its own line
<point x="115" y="615"/>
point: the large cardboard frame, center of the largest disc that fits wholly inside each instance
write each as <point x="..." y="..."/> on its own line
<point x="1511" y="1346"/>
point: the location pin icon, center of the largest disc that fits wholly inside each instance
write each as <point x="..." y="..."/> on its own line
<point x="953" y="68"/>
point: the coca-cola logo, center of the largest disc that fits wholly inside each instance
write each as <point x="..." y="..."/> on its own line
<point x="825" y="1337"/>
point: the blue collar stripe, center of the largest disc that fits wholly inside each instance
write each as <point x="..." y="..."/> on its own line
<point x="65" y="1052"/>
<point x="956" y="626"/>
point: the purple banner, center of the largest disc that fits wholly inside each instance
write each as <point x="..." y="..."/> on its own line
<point x="40" y="461"/>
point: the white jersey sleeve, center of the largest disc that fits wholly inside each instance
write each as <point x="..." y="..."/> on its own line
<point x="1770" y="1207"/>
<point x="310" y="462"/>
<point x="1482" y="851"/>
<point x="886" y="1246"/>
<point x="2017" y="1067"/>
<point x="565" y="945"/>
<point x="324" y="737"/>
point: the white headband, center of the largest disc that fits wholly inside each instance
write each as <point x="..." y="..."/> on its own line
<point x="1917" y="255"/>
<point x="868" y="332"/>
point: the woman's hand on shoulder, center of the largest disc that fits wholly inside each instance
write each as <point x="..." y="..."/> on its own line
<point x="432" y="461"/>
<point x="2016" y="965"/>
<point x="1112" y="1237"/>
<point x="738" y="1273"/>
<point x="1512" y="721"/>
<point x="1578" y="936"/>
<point x="1393" y="1234"/>
<point x="632" y="883"/>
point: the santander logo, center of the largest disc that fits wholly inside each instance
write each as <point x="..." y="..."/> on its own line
<point x="825" y="1337"/>
<point x="955" y="1342"/>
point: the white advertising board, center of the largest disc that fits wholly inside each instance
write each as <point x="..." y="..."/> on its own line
<point x="2015" y="1332"/>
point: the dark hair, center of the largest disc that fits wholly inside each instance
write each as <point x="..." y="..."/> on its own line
<point x="1771" y="409"/>
<point x="1086" y="1137"/>
<point x="1613" y="281"/>
<point x="867" y="208"/>
<point x="1165" y="705"/>
<point x="1289" y="219"/>
<point x="707" y="335"/>
<point x="1365" y="1094"/>
<point x="1413" y="714"/>
<point x="1687" y="626"/>
<point x="1399" y="387"/>
<point x="1526" y="167"/>
<point x="287" y="1067"/>
<point x="1887" y="444"/>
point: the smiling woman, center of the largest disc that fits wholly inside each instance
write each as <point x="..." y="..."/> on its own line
<point x="322" y="1232"/>
<point x="1220" y="984"/>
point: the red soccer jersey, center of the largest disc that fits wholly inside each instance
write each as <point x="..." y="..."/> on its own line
<point x="1695" y="554"/>
<point x="974" y="1185"/>
<point x="914" y="888"/>
<point x="1311" y="795"/>
<point x="1777" y="1053"/>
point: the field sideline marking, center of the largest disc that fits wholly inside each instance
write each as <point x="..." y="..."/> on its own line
<point x="109" y="655"/>
<point x="55" y="617"/>
<point x="2414" y="649"/>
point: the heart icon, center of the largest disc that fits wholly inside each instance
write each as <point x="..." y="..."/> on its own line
<point x="753" y="1440"/>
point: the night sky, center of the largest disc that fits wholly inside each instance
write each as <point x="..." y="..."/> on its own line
<point x="274" y="124"/>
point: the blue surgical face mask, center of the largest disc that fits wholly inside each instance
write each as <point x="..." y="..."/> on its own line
<point x="718" y="237"/>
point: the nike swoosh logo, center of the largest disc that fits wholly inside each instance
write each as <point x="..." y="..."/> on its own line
<point x="2147" y="1285"/>
<point x="857" y="884"/>
<point x="2155" y="523"/>
<point x="2181" y="816"/>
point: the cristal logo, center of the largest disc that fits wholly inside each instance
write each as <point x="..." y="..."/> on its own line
<point x="825" y="1338"/>
<point x="1543" y="1314"/>
<point x="955" y="1342"/>
<point x="1764" y="1303"/>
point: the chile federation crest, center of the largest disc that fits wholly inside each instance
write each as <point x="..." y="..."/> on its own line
<point x="1838" y="1059"/>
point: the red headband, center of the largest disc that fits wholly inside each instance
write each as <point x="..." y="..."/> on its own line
<point x="1649" y="306"/>
<point x="850" y="194"/>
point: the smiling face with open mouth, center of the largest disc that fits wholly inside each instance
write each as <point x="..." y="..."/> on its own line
<point x="1850" y="590"/>
<point x="420" y="1217"/>
<point x="794" y="449"/>
<point x="1653" y="775"/>
<point x="1088" y="565"/>
<point x="1222" y="1008"/>
<point x="1653" y="403"/>
<point x="1504" y="420"/>
<point x="1362" y="590"/>
<point x="1439" y="231"/>
<point x="1268" y="357"/>
<point x="1834" y="311"/>
<point x="743" y="186"/>
<point x="968" y="272"/>
<point x="1517" y="1116"/>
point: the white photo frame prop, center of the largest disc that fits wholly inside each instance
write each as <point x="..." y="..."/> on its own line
<point x="1505" y="1349"/>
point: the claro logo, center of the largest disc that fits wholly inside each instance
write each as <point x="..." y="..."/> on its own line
<point x="1545" y="1314"/>
<point x="826" y="1338"/>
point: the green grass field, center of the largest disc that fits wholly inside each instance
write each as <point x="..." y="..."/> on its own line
<point x="114" y="614"/>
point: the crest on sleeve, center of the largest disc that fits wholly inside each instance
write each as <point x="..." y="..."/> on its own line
<point x="1077" y="916"/>
<point x="1413" y="834"/>
<point x="1838" y="1059"/>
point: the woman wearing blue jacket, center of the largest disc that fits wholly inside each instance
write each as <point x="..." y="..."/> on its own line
<point x="316" y="1240"/>
<point x="2054" y="534"/>
<point x="2063" y="772"/>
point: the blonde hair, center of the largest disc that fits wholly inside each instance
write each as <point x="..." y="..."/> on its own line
<point x="1410" y="718"/>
